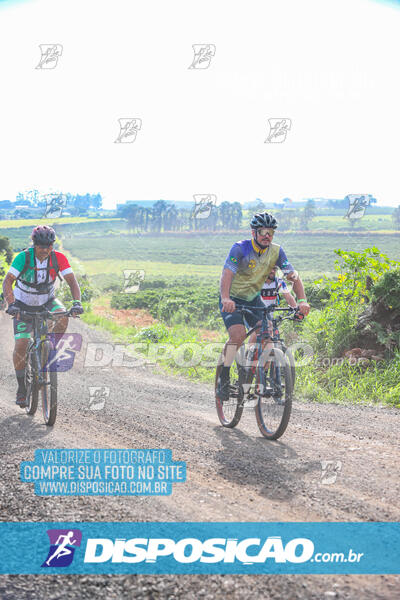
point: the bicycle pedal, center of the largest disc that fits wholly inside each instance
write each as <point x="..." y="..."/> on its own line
<point x="280" y="401"/>
<point x="233" y="391"/>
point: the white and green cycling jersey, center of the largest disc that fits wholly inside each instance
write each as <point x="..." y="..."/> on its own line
<point x="38" y="272"/>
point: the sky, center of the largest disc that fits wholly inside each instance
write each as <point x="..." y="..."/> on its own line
<point x="330" y="68"/>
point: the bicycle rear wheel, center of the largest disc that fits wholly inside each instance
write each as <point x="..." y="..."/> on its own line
<point x="31" y="384"/>
<point x="274" y="388"/>
<point x="48" y="391"/>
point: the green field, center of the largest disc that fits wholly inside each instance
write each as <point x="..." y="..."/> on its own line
<point x="338" y="223"/>
<point x="104" y="246"/>
<point x="19" y="230"/>
<point x="13" y="223"/>
<point x="152" y="269"/>
<point x="176" y="254"/>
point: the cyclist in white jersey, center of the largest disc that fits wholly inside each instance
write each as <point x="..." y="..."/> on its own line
<point x="29" y="286"/>
<point x="272" y="287"/>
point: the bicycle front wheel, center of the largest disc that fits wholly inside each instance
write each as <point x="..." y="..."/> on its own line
<point x="229" y="410"/>
<point x="48" y="389"/>
<point x="31" y="384"/>
<point x="291" y="360"/>
<point x="274" y="389"/>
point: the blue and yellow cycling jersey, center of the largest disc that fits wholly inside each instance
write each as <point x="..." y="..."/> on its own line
<point x="251" y="266"/>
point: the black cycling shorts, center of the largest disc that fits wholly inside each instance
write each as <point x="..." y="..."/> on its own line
<point x="236" y="318"/>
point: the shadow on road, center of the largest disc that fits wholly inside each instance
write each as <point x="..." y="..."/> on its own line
<point x="273" y="467"/>
<point x="22" y="430"/>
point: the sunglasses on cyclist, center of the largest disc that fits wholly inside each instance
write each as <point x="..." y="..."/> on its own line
<point x="264" y="231"/>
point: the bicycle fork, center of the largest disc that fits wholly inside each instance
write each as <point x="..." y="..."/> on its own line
<point x="37" y="363"/>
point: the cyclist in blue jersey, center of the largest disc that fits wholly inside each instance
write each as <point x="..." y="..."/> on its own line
<point x="245" y="271"/>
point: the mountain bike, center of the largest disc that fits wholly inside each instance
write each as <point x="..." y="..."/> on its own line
<point x="265" y="376"/>
<point x="38" y="377"/>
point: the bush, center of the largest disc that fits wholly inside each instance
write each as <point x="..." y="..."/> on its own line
<point x="387" y="290"/>
<point x="150" y="284"/>
<point x="147" y="300"/>
<point x="87" y="290"/>
<point x="357" y="273"/>
<point x="3" y="266"/>
<point x="154" y="333"/>
<point x="174" y="305"/>
<point x="317" y="294"/>
<point x="5" y="247"/>
<point x="344" y="383"/>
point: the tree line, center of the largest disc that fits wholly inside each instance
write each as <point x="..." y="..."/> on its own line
<point x="163" y="216"/>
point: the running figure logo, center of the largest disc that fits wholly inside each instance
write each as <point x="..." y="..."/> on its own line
<point x="50" y="55"/>
<point x="128" y="129"/>
<point x="132" y="280"/>
<point x="330" y="470"/>
<point x="278" y="129"/>
<point x="204" y="204"/>
<point x="55" y="203"/>
<point x="203" y="54"/>
<point x="61" y="359"/>
<point x="357" y="205"/>
<point x="98" y="397"/>
<point x="63" y="543"/>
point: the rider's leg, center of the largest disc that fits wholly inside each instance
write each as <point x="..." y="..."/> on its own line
<point x="58" y="327"/>
<point x="19" y="357"/>
<point x="267" y="345"/>
<point x="237" y="334"/>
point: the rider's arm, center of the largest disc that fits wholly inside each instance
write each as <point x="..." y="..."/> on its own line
<point x="282" y="287"/>
<point x="289" y="299"/>
<point x="228" y="305"/>
<point x="226" y="282"/>
<point x="298" y="286"/>
<point x="228" y="273"/>
<point x="298" y="289"/>
<point x="73" y="286"/>
<point x="8" y="288"/>
<point x="293" y="276"/>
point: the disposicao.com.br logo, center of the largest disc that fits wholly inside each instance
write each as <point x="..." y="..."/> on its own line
<point x="190" y="550"/>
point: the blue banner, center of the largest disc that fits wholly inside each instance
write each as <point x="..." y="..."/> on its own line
<point x="320" y="548"/>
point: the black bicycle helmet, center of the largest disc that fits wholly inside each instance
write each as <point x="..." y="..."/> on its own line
<point x="43" y="235"/>
<point x="260" y="220"/>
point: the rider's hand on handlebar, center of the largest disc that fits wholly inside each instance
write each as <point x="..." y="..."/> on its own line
<point x="304" y="308"/>
<point x="228" y="305"/>
<point x="301" y="314"/>
<point x="13" y="310"/>
<point x="77" y="309"/>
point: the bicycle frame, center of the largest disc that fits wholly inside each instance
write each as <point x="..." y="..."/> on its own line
<point x="263" y="330"/>
<point x="263" y="336"/>
<point x="40" y="333"/>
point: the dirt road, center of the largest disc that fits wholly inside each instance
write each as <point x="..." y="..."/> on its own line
<point x="232" y="475"/>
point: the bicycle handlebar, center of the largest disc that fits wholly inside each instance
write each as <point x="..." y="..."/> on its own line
<point x="294" y="313"/>
<point x="268" y="309"/>
<point x="46" y="313"/>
